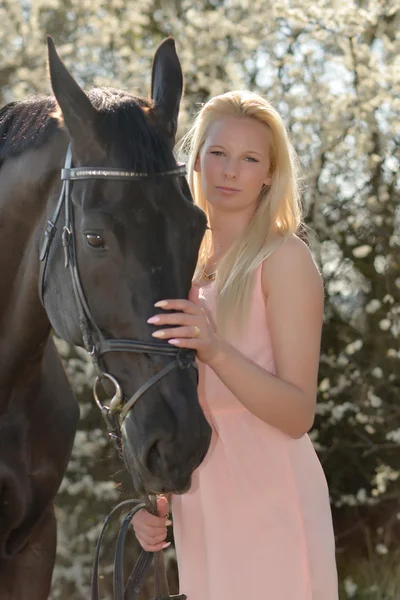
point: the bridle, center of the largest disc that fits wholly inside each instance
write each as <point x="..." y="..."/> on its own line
<point x="93" y="340"/>
<point x="97" y="345"/>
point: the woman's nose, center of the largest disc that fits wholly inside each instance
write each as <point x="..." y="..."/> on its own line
<point x="231" y="169"/>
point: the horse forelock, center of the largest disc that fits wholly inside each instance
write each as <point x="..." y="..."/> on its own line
<point x="126" y="125"/>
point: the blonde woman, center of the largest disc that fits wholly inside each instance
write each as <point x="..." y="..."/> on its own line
<point x="256" y="522"/>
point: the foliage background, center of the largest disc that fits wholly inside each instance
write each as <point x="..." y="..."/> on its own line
<point x="332" y="69"/>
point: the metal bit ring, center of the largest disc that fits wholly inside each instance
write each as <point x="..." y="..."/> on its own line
<point x="116" y="400"/>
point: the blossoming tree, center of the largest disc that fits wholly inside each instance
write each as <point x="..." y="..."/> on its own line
<point x="331" y="67"/>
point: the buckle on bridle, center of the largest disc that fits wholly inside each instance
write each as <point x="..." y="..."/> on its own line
<point x="47" y="238"/>
<point x="66" y="235"/>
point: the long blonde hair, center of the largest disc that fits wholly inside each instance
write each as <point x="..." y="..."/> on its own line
<point x="278" y="211"/>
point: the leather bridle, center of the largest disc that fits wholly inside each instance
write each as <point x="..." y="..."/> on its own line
<point x="93" y="340"/>
<point x="96" y="344"/>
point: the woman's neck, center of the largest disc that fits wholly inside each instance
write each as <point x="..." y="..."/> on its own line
<point x="225" y="230"/>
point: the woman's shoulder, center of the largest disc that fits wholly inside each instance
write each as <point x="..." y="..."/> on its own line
<point x="291" y="264"/>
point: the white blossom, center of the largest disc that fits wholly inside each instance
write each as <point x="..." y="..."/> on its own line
<point x="350" y="587"/>
<point x="394" y="436"/>
<point x="373" y="306"/>
<point x="374" y="400"/>
<point x="384" y="324"/>
<point x="354" y="346"/>
<point x="381" y="549"/>
<point x="361" y="496"/>
<point x="324" y="385"/>
<point x="362" y="251"/>
<point x="377" y="372"/>
<point x="383" y="476"/>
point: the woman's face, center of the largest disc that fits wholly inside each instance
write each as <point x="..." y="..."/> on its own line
<point x="234" y="163"/>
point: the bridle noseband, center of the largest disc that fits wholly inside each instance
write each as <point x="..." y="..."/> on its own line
<point x="97" y="346"/>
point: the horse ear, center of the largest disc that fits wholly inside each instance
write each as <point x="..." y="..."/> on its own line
<point x="78" y="112"/>
<point x="166" y="86"/>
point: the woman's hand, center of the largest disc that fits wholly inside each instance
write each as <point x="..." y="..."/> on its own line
<point x="193" y="327"/>
<point x="150" y="530"/>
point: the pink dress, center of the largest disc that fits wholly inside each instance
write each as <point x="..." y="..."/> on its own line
<point x="256" y="523"/>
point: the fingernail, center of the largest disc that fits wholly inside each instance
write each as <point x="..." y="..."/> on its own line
<point x="153" y="320"/>
<point x="168" y="522"/>
<point x="161" y="303"/>
<point x="166" y="545"/>
<point x="158" y="334"/>
<point x="173" y="341"/>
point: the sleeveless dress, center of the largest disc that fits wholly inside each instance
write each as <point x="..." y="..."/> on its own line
<point x="256" y="523"/>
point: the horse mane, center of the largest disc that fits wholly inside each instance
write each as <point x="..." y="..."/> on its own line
<point x="26" y="125"/>
<point x="125" y="125"/>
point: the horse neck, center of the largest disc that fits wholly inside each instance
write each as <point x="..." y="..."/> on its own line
<point x="25" y="185"/>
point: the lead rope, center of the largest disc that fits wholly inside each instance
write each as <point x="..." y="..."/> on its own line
<point x="139" y="572"/>
<point x="161" y="588"/>
<point x="95" y="571"/>
<point x="131" y="590"/>
<point x="137" y="577"/>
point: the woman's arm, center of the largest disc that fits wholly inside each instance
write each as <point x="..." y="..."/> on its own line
<point x="293" y="293"/>
<point x="294" y="297"/>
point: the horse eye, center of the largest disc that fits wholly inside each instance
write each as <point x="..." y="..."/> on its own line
<point x="94" y="240"/>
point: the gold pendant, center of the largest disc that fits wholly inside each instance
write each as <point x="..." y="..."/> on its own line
<point x="211" y="276"/>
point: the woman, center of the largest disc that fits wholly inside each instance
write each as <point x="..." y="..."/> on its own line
<point x="256" y="522"/>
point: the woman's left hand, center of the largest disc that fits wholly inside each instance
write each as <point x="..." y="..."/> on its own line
<point x="194" y="329"/>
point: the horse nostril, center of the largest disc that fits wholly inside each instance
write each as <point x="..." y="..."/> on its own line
<point x="12" y="501"/>
<point x="153" y="458"/>
<point x="6" y="493"/>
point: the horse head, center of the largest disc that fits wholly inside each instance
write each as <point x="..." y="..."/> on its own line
<point x="135" y="241"/>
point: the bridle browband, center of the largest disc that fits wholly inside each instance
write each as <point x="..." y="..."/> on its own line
<point x="93" y="340"/>
<point x="80" y="173"/>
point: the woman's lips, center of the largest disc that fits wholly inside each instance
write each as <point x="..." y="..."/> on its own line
<point x="228" y="191"/>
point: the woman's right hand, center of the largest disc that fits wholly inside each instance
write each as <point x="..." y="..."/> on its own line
<point x="150" y="530"/>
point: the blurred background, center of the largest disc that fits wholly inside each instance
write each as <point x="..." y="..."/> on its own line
<point x="332" y="69"/>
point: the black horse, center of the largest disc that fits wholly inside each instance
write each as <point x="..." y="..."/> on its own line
<point x="134" y="241"/>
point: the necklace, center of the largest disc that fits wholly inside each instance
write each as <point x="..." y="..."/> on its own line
<point x="210" y="276"/>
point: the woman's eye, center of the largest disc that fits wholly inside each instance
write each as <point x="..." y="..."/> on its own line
<point x="251" y="159"/>
<point x="216" y="152"/>
<point x="95" y="240"/>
